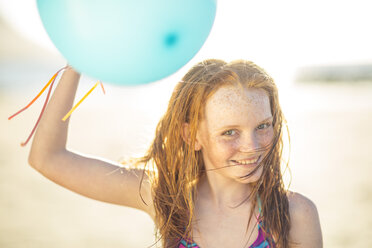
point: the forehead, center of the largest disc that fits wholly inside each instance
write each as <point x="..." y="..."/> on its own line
<point x="233" y="105"/>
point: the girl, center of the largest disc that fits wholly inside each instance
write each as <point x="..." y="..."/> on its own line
<point x="212" y="175"/>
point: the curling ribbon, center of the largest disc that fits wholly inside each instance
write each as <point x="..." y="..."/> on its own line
<point x="50" y="85"/>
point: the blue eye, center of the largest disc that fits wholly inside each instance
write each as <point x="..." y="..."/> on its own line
<point x="229" y="133"/>
<point x="264" y="126"/>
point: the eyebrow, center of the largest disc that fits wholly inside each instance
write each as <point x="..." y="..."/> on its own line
<point x="234" y="126"/>
<point x="267" y="119"/>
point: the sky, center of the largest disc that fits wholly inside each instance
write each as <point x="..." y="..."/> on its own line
<point x="278" y="35"/>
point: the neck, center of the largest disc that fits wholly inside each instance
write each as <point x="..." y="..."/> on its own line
<point x="223" y="193"/>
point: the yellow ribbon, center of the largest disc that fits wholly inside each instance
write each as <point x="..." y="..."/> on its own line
<point x="82" y="99"/>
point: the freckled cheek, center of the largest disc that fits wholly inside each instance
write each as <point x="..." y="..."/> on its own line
<point x="266" y="137"/>
<point x="227" y="146"/>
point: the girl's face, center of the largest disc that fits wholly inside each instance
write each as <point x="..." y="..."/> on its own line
<point x="237" y="122"/>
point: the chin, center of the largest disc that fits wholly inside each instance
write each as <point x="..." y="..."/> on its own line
<point x="251" y="179"/>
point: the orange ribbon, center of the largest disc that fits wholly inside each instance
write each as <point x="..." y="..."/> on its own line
<point x="50" y="85"/>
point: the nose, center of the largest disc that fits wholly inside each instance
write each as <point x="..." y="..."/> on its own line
<point x="248" y="143"/>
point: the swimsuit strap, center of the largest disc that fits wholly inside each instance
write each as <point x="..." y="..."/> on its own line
<point x="259" y="221"/>
<point x="259" y="204"/>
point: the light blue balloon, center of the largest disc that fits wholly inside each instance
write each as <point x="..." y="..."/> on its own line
<point x="128" y="42"/>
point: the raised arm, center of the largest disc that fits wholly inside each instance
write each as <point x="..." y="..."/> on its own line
<point x="92" y="177"/>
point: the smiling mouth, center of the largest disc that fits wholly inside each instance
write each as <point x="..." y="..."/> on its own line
<point x="252" y="161"/>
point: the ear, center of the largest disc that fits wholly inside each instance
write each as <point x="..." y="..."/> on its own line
<point x="186" y="136"/>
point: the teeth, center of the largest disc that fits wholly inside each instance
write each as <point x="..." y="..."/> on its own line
<point x="251" y="161"/>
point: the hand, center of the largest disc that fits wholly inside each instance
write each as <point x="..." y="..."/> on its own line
<point x="68" y="67"/>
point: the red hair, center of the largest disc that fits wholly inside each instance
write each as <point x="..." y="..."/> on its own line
<point x="178" y="167"/>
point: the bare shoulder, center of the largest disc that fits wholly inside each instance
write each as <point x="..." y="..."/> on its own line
<point x="300" y="205"/>
<point x="305" y="225"/>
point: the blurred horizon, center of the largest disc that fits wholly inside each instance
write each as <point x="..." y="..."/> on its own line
<point x="297" y="35"/>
